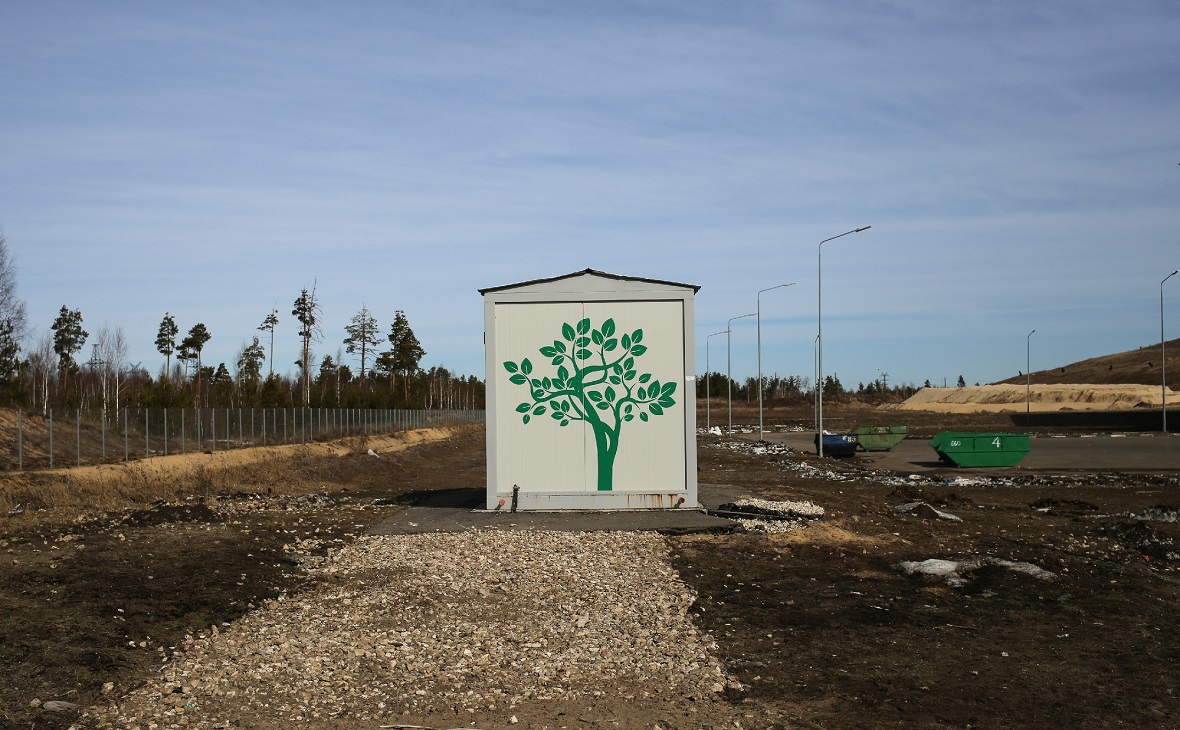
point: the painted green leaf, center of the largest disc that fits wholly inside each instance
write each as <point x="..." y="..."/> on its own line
<point x="582" y="354"/>
<point x="597" y="337"/>
<point x="610" y="345"/>
<point x="538" y="393"/>
<point x="546" y="383"/>
<point x="510" y="367"/>
<point x="535" y="383"/>
<point x="526" y="419"/>
<point x="539" y="411"/>
<point x="617" y="368"/>
<point x="669" y="388"/>
<point x="615" y="379"/>
<point x="654" y="388"/>
<point x="655" y="409"/>
<point x="608" y="327"/>
<point x="526" y="367"/>
<point x="584" y="326"/>
<point x="642" y="392"/>
<point x="629" y="363"/>
<point x="557" y="360"/>
<point x="559" y="346"/>
<point x="626" y="342"/>
<point x="645" y="377"/>
<point x="638" y="350"/>
<point x="565" y="423"/>
<point x="582" y="342"/>
<point x="628" y="418"/>
<point x="666" y="402"/>
<point x="565" y="406"/>
<point x="602" y="406"/>
<point x="567" y="332"/>
<point x="594" y="395"/>
<point x="548" y="351"/>
<point x="562" y="373"/>
<point x="637" y="336"/>
<point x="642" y="416"/>
<point x="519" y="379"/>
<point x="629" y="375"/>
<point x="557" y="415"/>
<point x="523" y="408"/>
<point x="628" y="408"/>
<point x="610" y="393"/>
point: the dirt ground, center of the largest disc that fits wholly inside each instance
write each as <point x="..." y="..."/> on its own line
<point x="1063" y="610"/>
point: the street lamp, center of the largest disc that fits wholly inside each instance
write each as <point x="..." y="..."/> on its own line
<point x="708" y="412"/>
<point x="815" y="372"/>
<point x="819" y="358"/>
<point x="780" y="286"/>
<point x="1028" y="378"/>
<point x="728" y="362"/>
<point x="1163" y="355"/>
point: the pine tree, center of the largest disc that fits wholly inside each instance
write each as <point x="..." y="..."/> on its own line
<point x="166" y="340"/>
<point x="307" y="311"/>
<point x="268" y="325"/>
<point x="193" y="344"/>
<point x="407" y="352"/>
<point x="68" y="338"/>
<point x="362" y="337"/>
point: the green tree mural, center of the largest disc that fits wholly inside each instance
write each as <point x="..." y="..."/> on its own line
<point x="596" y="382"/>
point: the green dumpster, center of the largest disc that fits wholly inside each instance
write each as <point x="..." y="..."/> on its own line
<point x="880" y="438"/>
<point x="981" y="449"/>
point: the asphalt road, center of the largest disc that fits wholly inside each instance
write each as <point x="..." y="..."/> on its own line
<point x="1150" y="453"/>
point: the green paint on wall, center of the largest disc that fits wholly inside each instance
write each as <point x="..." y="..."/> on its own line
<point x="596" y="382"/>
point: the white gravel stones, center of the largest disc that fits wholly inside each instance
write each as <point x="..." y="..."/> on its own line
<point x="421" y="623"/>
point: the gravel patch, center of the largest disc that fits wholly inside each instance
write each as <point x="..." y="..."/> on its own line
<point x="409" y="625"/>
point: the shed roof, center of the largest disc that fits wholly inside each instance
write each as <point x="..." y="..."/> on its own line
<point x="590" y="273"/>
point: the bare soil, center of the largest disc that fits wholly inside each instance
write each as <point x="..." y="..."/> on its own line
<point x="820" y="625"/>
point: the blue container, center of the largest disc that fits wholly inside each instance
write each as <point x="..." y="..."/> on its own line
<point x="837" y="444"/>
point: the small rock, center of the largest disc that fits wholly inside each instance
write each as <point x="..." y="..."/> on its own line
<point x="59" y="706"/>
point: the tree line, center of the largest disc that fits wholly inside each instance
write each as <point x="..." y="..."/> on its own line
<point x="797" y="388"/>
<point x="51" y="373"/>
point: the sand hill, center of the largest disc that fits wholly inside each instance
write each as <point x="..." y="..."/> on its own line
<point x="1001" y="398"/>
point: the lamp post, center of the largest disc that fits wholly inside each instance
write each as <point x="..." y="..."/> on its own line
<point x="1028" y="378"/>
<point x="815" y="372"/>
<point x="819" y="358"/>
<point x="1163" y="356"/>
<point x="780" y="286"/>
<point x="708" y="412"/>
<point x="728" y="363"/>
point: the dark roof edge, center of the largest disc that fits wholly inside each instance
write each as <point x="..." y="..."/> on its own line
<point x="593" y="272"/>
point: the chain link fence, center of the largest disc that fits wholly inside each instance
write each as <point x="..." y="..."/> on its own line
<point x="61" y="438"/>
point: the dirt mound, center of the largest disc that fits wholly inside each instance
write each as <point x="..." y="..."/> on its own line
<point x="1040" y="398"/>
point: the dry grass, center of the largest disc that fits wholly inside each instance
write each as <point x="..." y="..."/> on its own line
<point x="63" y="495"/>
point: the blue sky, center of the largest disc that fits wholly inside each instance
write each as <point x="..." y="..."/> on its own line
<point x="1018" y="164"/>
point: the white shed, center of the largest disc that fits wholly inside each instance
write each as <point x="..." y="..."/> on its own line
<point x="591" y="393"/>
